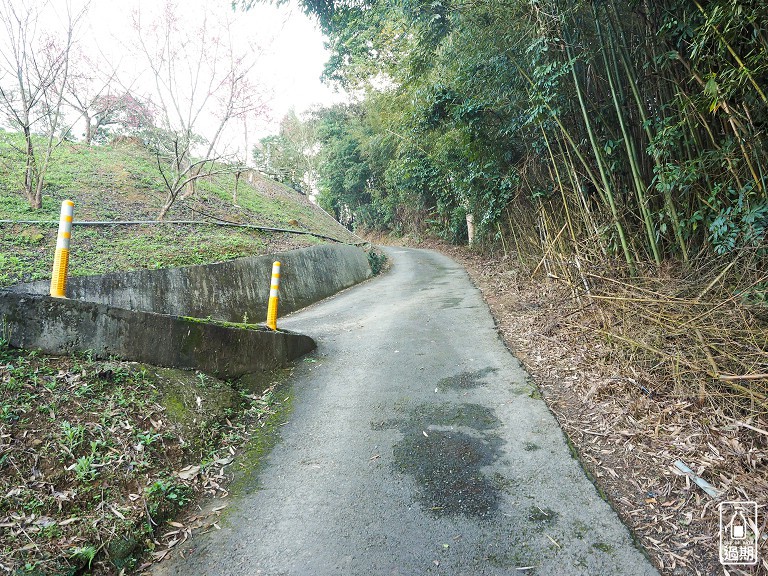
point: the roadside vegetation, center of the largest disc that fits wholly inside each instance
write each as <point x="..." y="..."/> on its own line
<point x="106" y="465"/>
<point x="101" y="461"/>
<point x="605" y="161"/>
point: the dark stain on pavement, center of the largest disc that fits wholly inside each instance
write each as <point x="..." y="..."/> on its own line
<point x="465" y="380"/>
<point x="446" y="414"/>
<point x="542" y="515"/>
<point x="447" y="467"/>
<point x="447" y="463"/>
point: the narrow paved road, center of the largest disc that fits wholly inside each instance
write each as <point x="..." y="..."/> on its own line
<point x="416" y="446"/>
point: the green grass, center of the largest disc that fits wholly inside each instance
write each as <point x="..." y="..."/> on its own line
<point x="122" y="182"/>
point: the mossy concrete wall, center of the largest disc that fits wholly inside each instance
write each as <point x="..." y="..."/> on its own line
<point x="224" y="291"/>
<point x="60" y="326"/>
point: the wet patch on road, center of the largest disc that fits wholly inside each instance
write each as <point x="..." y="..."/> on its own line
<point x="422" y="416"/>
<point x="465" y="380"/>
<point x="447" y="463"/>
<point x="447" y="467"/>
<point x="472" y="416"/>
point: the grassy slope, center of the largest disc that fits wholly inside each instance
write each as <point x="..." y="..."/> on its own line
<point x="122" y="183"/>
<point x="97" y="458"/>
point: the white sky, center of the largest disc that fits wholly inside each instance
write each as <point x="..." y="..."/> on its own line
<point x="293" y="56"/>
<point x="292" y="52"/>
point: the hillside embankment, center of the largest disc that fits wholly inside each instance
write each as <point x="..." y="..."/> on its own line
<point x="121" y="183"/>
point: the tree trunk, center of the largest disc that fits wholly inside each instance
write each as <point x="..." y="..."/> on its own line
<point x="189" y="173"/>
<point x="167" y="206"/>
<point x="470" y="229"/>
<point x="190" y="188"/>
<point x="238" y="174"/>
<point x="31" y="191"/>
<point x="88" y="129"/>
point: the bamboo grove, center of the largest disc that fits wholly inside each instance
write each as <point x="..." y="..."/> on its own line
<point x="634" y="129"/>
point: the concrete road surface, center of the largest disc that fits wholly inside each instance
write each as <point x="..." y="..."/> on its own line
<point x="416" y="446"/>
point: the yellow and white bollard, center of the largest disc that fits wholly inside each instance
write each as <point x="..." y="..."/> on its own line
<point x="274" y="287"/>
<point x="61" y="259"/>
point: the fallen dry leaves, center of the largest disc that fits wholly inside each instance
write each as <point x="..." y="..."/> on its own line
<point x="93" y="468"/>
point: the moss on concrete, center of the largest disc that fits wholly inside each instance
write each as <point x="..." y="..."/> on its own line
<point x="195" y="401"/>
<point x="225" y="324"/>
<point x="259" y="446"/>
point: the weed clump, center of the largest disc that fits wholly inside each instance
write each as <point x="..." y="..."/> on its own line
<point x="377" y="261"/>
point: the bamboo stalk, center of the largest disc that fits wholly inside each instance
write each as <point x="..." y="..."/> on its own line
<point x="633" y="287"/>
<point x="560" y="186"/>
<point x="730" y="49"/>
<point x="748" y="426"/>
<point x="514" y="238"/>
<point x="729" y="378"/>
<point x="600" y="162"/>
<point x="760" y="398"/>
<point x="639" y="185"/>
<point x="547" y="251"/>
<point x="632" y="81"/>
<point x="724" y="302"/>
<point x="710" y="359"/>
<point x="586" y="214"/>
<point x="716" y="280"/>
<point x="651" y="300"/>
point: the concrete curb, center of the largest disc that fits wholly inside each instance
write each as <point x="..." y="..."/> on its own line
<point x="58" y="326"/>
<point x="229" y="291"/>
<point x="152" y="315"/>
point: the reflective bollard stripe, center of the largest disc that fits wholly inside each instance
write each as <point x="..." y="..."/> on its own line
<point x="273" y="289"/>
<point x="61" y="258"/>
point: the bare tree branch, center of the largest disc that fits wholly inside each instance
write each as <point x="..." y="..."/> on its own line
<point x="34" y="66"/>
<point x="202" y="84"/>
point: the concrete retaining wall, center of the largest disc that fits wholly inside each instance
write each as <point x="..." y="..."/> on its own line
<point x="59" y="326"/>
<point x="137" y="315"/>
<point x="225" y="291"/>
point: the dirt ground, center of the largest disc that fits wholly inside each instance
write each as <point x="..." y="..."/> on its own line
<point x="627" y="430"/>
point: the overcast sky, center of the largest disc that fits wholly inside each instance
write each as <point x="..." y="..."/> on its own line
<point x="292" y="46"/>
